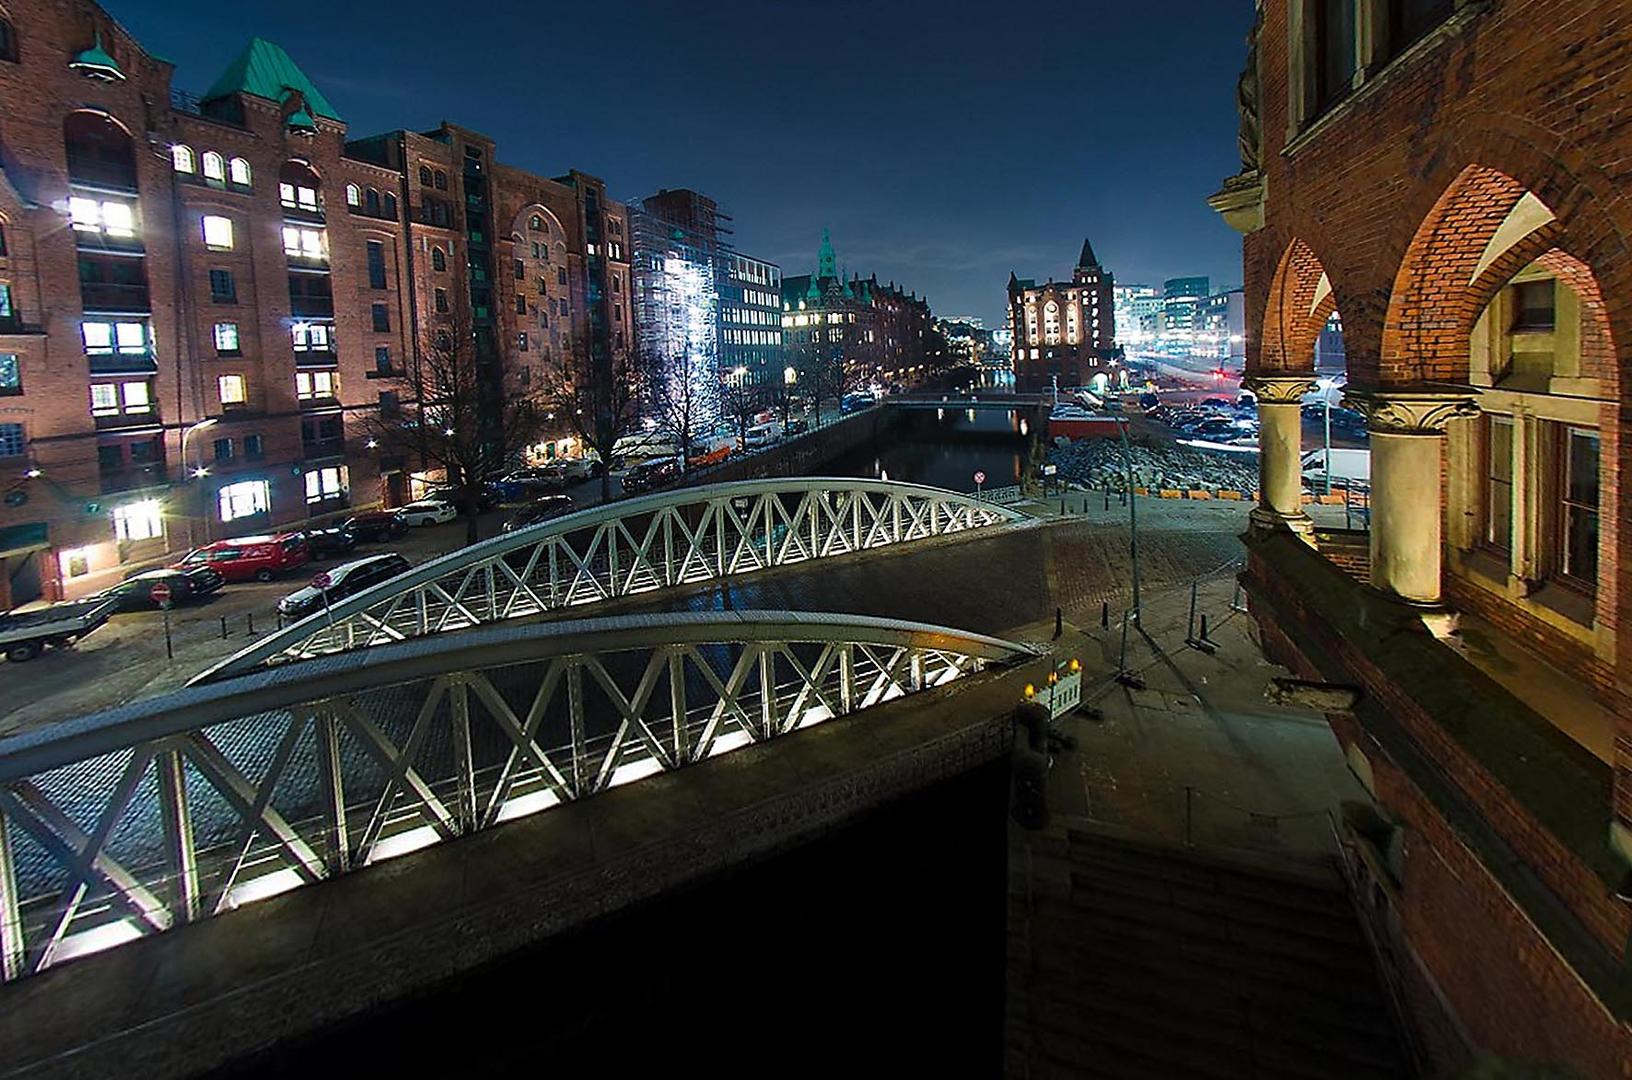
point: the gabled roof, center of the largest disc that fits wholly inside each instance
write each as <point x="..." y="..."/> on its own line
<point x="265" y="70"/>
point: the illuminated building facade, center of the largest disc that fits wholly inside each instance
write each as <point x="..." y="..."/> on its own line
<point x="204" y="299"/>
<point x="1181" y="313"/>
<point x="1221" y="327"/>
<point x="1135" y="307"/>
<point x="751" y="320"/>
<point x="1064" y="331"/>
<point x="852" y="330"/>
<point x="678" y="253"/>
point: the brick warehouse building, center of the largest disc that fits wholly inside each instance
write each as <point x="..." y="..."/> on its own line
<point x="1451" y="179"/>
<point x="226" y="275"/>
<point x="1065" y="330"/>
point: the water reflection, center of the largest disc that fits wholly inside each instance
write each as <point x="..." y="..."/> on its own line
<point x="945" y="450"/>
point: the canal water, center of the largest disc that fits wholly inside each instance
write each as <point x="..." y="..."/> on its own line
<point x="945" y="448"/>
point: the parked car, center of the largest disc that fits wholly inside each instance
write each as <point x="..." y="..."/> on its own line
<point x="582" y="468"/>
<point x="502" y="489"/>
<point x="543" y="508"/>
<point x="24" y="635"/>
<point x="346" y="579"/>
<point x="375" y="526"/>
<point x="642" y="447"/>
<point x="856" y="402"/>
<point x="332" y="542"/>
<point x="651" y="475"/>
<point x="427" y="512"/>
<point x="796" y="425"/>
<point x="762" y="435"/>
<point x="135" y="593"/>
<point x="454" y="498"/>
<point x="261" y="558"/>
<point x="534" y="479"/>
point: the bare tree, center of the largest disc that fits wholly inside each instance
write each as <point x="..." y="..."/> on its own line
<point x="598" y="395"/>
<point x="741" y="401"/>
<point x="462" y="412"/>
<point x="683" y="393"/>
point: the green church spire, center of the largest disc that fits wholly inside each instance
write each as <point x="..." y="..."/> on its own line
<point x="826" y="262"/>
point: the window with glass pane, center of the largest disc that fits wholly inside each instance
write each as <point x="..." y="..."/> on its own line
<point x="1334" y="50"/>
<point x="238" y="171"/>
<point x="354" y="195"/>
<point x="325" y="483"/>
<point x="302" y="243"/>
<point x="215" y="166"/>
<point x="182" y="158"/>
<point x="138" y="521"/>
<point x="1579" y="518"/>
<point x="1498" y="495"/>
<point x="104" y="399"/>
<point x="12" y="442"/>
<point x="231" y="388"/>
<point x="376" y="264"/>
<point x="253" y="447"/>
<point x="138" y="398"/>
<point x="217" y="232"/>
<point x="243" y="499"/>
<point x="1533" y="305"/>
<point x="382" y="358"/>
<point x="11" y="375"/>
<point x="223" y="449"/>
<point x="226" y="337"/>
<point x="1409" y="20"/>
<point x="381" y="316"/>
<point x="223" y="290"/>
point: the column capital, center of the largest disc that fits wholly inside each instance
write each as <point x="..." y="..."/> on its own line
<point x="1417" y="410"/>
<point x="1280" y="389"/>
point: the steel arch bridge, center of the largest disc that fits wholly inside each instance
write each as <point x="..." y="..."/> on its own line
<point x="624" y="548"/>
<point x="124" y="824"/>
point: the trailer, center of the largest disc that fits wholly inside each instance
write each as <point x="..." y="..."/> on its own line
<point x="23" y="635"/>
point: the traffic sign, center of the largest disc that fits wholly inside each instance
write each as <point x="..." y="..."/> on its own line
<point x="1050" y="470"/>
<point x="980" y="477"/>
<point x="322" y="581"/>
<point x="160" y="592"/>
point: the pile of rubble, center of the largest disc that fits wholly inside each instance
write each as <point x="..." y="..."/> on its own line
<point x="1099" y="463"/>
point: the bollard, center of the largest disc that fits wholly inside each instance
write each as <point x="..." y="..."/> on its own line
<point x="1190" y="623"/>
<point x="1059" y="623"/>
<point x="1062" y="505"/>
<point x="1203" y="627"/>
<point x="223" y="626"/>
<point x="1104" y="614"/>
<point x="249" y="619"/>
<point x="1107" y="497"/>
<point x="1189" y="812"/>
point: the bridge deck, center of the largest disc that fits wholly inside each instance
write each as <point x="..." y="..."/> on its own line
<point x="210" y="993"/>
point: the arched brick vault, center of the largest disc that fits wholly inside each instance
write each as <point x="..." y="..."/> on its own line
<point x="1292" y="316"/>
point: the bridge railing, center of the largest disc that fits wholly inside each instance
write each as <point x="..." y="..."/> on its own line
<point x="121" y="825"/>
<point x="624" y="548"/>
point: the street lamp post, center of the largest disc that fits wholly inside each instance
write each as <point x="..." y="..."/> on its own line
<point x="207" y="422"/>
<point x="1327" y="385"/>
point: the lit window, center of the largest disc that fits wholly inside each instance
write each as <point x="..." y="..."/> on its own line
<point x="232" y="389"/>
<point x="138" y="521"/>
<point x="316" y="384"/>
<point x="312" y="337"/>
<point x="302" y="243"/>
<point x="243" y="499"/>
<point x="226" y="337"/>
<point x="215" y="166"/>
<point x="238" y="171"/>
<point x="104" y="399"/>
<point x="217" y="233"/>
<point x="112" y="218"/>
<point x="137" y="398"/>
<point x="111" y="399"/>
<point x="354" y="194"/>
<point x="328" y="482"/>
<point x="182" y="158"/>
<point x="301" y="197"/>
<point x="103" y="338"/>
<point x="11" y="375"/>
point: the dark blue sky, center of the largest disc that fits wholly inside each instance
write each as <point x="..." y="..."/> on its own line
<point x="944" y="142"/>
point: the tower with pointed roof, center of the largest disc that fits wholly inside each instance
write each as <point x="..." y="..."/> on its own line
<point x="1065" y="330"/>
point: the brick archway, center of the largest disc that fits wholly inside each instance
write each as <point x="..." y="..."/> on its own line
<point x="1300" y="301"/>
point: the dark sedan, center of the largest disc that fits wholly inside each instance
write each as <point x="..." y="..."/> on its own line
<point x="376" y="526"/>
<point x="333" y="542"/>
<point x="342" y="581"/>
<point x="651" y="475"/>
<point x="540" y="509"/>
<point x="135" y="593"/>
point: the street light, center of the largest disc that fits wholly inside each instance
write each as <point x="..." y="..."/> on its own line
<point x="1327" y="384"/>
<point x="207" y="422"/>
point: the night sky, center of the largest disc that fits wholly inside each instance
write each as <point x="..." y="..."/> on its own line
<point x="943" y="143"/>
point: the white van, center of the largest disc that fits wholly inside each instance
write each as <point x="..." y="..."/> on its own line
<point x="762" y="435"/>
<point x="1348" y="466"/>
<point x="651" y="444"/>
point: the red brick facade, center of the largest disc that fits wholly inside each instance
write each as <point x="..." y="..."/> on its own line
<point x="307" y="340"/>
<point x="1465" y="150"/>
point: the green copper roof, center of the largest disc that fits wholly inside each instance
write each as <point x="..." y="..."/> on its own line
<point x="813" y="292"/>
<point x="265" y="70"/>
<point x="96" y="62"/>
<point x="826" y="263"/>
<point x="301" y="120"/>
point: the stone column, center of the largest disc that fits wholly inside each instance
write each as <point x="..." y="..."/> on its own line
<point x="1407" y="446"/>
<point x="1280" y="452"/>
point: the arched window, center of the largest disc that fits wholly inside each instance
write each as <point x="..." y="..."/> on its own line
<point x="215" y="166"/>
<point x="238" y="171"/>
<point x="425" y="175"/>
<point x="441" y="180"/>
<point x="535" y="223"/>
<point x="8" y="41"/>
<point x="371" y="202"/>
<point x="354" y="195"/>
<point x="181" y="156"/>
<point x="390" y="206"/>
<point x="439" y="261"/>
<point x="100" y="151"/>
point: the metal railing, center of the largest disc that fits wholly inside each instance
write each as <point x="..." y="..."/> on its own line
<point x="1002" y="496"/>
<point x="633" y="546"/>
<point x="120" y="825"/>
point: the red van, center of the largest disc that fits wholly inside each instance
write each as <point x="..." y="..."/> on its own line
<point x="259" y="557"/>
